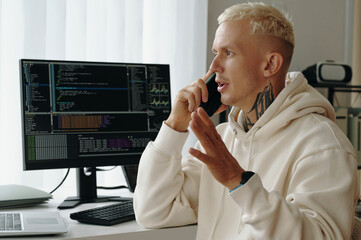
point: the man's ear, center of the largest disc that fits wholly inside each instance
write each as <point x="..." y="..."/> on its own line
<point x="274" y="64"/>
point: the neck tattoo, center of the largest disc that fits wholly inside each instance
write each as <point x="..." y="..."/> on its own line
<point x="263" y="101"/>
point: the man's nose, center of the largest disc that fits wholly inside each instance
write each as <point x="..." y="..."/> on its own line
<point x="216" y="65"/>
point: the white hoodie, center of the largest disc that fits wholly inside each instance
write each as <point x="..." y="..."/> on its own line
<point x="305" y="186"/>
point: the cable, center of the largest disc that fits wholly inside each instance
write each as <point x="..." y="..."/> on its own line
<point x="355" y="98"/>
<point x="106" y="169"/>
<point x="98" y="187"/>
<point x="62" y="181"/>
<point x="336" y="100"/>
<point x="103" y="169"/>
<point x="111" y="188"/>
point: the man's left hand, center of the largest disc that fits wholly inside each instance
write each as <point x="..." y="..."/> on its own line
<point x="223" y="166"/>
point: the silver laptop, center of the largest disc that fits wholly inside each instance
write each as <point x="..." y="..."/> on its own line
<point x="31" y="223"/>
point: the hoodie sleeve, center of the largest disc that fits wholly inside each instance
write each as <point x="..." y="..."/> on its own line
<point x="167" y="191"/>
<point x="317" y="206"/>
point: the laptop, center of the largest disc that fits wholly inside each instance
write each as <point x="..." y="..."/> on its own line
<point x="31" y="223"/>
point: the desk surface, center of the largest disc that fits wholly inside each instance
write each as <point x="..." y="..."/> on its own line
<point x="125" y="231"/>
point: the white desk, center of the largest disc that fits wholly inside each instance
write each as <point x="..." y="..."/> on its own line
<point x="124" y="231"/>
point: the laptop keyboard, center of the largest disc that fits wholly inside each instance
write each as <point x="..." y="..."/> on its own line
<point x="108" y="215"/>
<point x="10" y="222"/>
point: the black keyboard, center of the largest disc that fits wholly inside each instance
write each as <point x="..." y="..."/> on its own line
<point x="107" y="215"/>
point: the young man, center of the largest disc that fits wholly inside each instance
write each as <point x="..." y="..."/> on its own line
<point x="280" y="168"/>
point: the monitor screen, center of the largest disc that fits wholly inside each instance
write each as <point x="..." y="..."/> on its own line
<point x="88" y="114"/>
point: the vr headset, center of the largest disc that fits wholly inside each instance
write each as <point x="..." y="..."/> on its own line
<point x="328" y="73"/>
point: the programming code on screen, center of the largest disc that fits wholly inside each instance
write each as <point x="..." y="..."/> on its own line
<point x="75" y="110"/>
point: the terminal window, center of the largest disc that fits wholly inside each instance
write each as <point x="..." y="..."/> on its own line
<point x="75" y="110"/>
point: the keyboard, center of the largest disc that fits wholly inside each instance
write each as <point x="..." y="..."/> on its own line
<point x="107" y="215"/>
<point x="10" y="222"/>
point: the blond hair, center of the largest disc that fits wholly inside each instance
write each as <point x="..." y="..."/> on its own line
<point x="263" y="18"/>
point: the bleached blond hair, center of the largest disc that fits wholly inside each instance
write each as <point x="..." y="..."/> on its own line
<point x="263" y="18"/>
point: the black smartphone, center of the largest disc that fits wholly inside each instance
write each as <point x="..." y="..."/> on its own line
<point x="214" y="97"/>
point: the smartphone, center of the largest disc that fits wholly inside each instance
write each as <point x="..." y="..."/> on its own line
<point x="214" y="97"/>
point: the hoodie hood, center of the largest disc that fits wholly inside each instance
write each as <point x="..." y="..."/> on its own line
<point x="297" y="99"/>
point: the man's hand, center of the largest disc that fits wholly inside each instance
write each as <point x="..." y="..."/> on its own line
<point x="223" y="166"/>
<point x="188" y="100"/>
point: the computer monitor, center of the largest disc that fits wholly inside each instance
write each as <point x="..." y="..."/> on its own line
<point x="90" y="114"/>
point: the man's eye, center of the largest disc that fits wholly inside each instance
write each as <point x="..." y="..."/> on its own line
<point x="229" y="52"/>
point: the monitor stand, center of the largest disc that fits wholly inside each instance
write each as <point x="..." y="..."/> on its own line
<point x="87" y="190"/>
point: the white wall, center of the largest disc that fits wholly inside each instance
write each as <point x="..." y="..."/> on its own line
<point x="319" y="28"/>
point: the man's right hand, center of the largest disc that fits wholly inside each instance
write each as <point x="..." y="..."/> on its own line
<point x="187" y="100"/>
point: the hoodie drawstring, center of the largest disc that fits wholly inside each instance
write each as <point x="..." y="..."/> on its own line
<point x="219" y="209"/>
<point x="250" y="150"/>
<point x="222" y="193"/>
